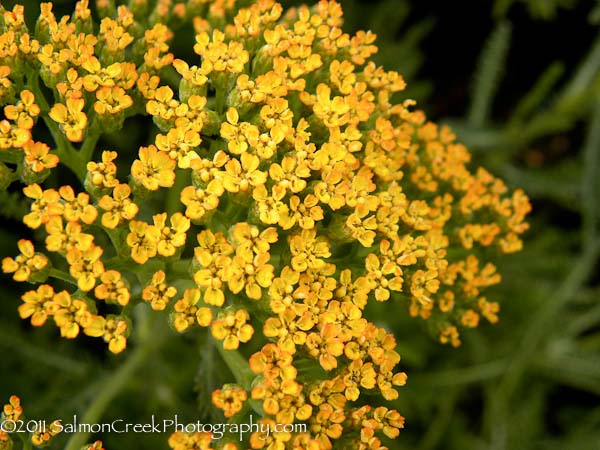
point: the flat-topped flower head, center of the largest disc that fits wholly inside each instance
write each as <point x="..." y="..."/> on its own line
<point x="275" y="191"/>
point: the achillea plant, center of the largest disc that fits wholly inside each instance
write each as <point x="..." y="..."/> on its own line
<point x="284" y="190"/>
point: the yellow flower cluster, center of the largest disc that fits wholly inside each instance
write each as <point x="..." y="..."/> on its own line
<point x="11" y="418"/>
<point x="284" y="179"/>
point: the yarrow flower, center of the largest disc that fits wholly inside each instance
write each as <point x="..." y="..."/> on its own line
<point x="281" y="192"/>
<point x="12" y="414"/>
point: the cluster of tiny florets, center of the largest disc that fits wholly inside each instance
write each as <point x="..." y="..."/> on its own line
<point x="295" y="191"/>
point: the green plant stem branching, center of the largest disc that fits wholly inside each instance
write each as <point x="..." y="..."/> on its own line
<point x="148" y="340"/>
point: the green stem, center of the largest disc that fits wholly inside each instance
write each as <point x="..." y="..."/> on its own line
<point x="10" y="157"/>
<point x="63" y="276"/>
<point x="88" y="147"/>
<point x="220" y="100"/>
<point x="27" y="444"/>
<point x="173" y="204"/>
<point x="114" y="384"/>
<point x="238" y="366"/>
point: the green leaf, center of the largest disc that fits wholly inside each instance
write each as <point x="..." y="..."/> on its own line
<point x="489" y="74"/>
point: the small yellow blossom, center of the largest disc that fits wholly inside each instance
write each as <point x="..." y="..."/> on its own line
<point x="113" y="288"/>
<point x="186" y="311"/>
<point x="103" y="174"/>
<point x="118" y="206"/>
<point x="37" y="305"/>
<point x="230" y="399"/>
<point x="43" y="436"/>
<point x="308" y="250"/>
<point x="71" y="118"/>
<point x="231" y="328"/>
<point x="153" y="169"/>
<point x="77" y="208"/>
<point x="173" y="237"/>
<point x="143" y="241"/>
<point x="38" y="157"/>
<point x="26" y="264"/>
<point x="85" y="266"/>
<point x="158" y="293"/>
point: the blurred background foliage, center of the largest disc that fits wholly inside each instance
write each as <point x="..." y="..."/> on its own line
<point x="519" y="82"/>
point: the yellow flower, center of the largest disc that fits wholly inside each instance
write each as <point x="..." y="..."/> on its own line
<point x="143" y="241"/>
<point x="304" y="213"/>
<point x="249" y="274"/>
<point x="118" y="206"/>
<point x="180" y="144"/>
<point x="273" y="362"/>
<point x="102" y="174"/>
<point x="11" y="136"/>
<point x="251" y="241"/>
<point x="24" y="112"/>
<point x="326" y="346"/>
<point x="37" y="305"/>
<point x="186" y="311"/>
<point x="187" y="441"/>
<point x="269" y="207"/>
<point x="311" y="191"/>
<point x="38" y="157"/>
<point x="358" y="374"/>
<point x="69" y="314"/>
<point x="290" y="328"/>
<point x="289" y="175"/>
<point x="241" y="174"/>
<point x="71" y="118"/>
<point x="63" y="237"/>
<point x="113" y="288"/>
<point x="153" y="169"/>
<point x="114" y="35"/>
<point x="111" y="100"/>
<point x="77" y="208"/>
<point x="42" y="436"/>
<point x="85" y="266"/>
<point x="240" y="136"/>
<point x="308" y="250"/>
<point x="171" y="237"/>
<point x="46" y="204"/>
<point x="26" y="264"/>
<point x="192" y="74"/>
<point x="378" y="271"/>
<point x="271" y="440"/>
<point x="230" y="399"/>
<point x="200" y="201"/>
<point x="158" y="293"/>
<point x="98" y="76"/>
<point x="13" y="409"/>
<point x="231" y="328"/>
<point x="113" y="330"/>
<point x="219" y="56"/>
